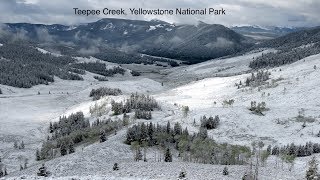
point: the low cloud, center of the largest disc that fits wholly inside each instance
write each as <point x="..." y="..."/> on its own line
<point x="43" y="35"/>
<point x="221" y="42"/>
<point x="129" y="48"/>
<point x="89" y="51"/>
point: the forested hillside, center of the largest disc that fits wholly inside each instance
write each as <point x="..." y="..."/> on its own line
<point x="23" y="66"/>
<point x="291" y="48"/>
<point x="123" y="40"/>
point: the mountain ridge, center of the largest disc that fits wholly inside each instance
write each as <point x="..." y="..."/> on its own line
<point x="158" y="38"/>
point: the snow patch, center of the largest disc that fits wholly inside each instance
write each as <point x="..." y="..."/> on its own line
<point x="71" y="28"/>
<point x="108" y="26"/>
<point x="151" y="28"/>
<point x="47" y="52"/>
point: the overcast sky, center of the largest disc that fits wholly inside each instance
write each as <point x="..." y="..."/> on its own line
<point x="238" y="12"/>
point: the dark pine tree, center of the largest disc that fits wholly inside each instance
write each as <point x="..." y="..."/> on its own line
<point x="63" y="149"/>
<point x="168" y="130"/>
<point x="225" y="171"/>
<point x="51" y="128"/>
<point x="168" y="156"/>
<point x="103" y="136"/>
<point x="71" y="148"/>
<point x="5" y="171"/>
<point x="182" y="175"/>
<point x="38" y="157"/>
<point x="22" y="145"/>
<point x="115" y="167"/>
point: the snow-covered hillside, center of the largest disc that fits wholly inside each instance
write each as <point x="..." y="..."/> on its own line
<point x="213" y="68"/>
<point x="297" y="87"/>
<point x="25" y="115"/>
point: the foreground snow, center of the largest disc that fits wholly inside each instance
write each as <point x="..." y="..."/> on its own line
<point x="96" y="162"/>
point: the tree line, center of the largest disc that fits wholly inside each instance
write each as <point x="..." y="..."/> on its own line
<point x="69" y="131"/>
<point x="196" y="147"/>
<point x="284" y="56"/>
<point x="96" y="94"/>
<point x="142" y="104"/>
<point x="295" y="150"/>
<point x="99" y="68"/>
<point x="24" y="66"/>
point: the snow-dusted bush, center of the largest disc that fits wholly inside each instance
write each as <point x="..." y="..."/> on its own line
<point x="104" y="91"/>
<point x="98" y="110"/>
<point x="258" y="109"/>
<point x="135" y="73"/>
<point x="100" y="78"/>
<point x="226" y="103"/>
<point x="225" y="171"/>
<point x="210" y="123"/>
<point x="141" y="103"/>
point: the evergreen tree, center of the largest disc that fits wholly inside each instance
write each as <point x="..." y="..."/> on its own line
<point x="150" y="134"/>
<point x="115" y="167"/>
<point x="43" y="171"/>
<point x="63" y="149"/>
<point x="225" y="171"/>
<point x="177" y="129"/>
<point x="103" y="136"/>
<point x="15" y="145"/>
<point x="5" y="171"/>
<point x="51" y="128"/>
<point x="167" y="156"/>
<point x="313" y="169"/>
<point x="168" y="130"/>
<point x="185" y="132"/>
<point x="275" y="150"/>
<point x="25" y="164"/>
<point x="71" y="148"/>
<point x="182" y="175"/>
<point x="143" y="134"/>
<point x="269" y="149"/>
<point x="22" y="145"/>
<point x="1" y="173"/>
<point x="38" y="157"/>
<point x="21" y="167"/>
<point x="203" y="133"/>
